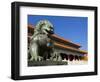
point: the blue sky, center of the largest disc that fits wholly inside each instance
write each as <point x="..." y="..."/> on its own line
<point x="70" y="28"/>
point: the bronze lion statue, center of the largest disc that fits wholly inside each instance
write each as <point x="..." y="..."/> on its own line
<point x="41" y="46"/>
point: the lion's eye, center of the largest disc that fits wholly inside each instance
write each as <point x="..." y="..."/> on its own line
<point x="51" y="27"/>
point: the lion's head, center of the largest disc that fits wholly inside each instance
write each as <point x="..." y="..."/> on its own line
<point x="44" y="26"/>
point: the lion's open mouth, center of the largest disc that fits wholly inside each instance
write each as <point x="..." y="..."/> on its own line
<point x="50" y="32"/>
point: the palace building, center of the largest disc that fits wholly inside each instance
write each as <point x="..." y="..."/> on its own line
<point x="69" y="51"/>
